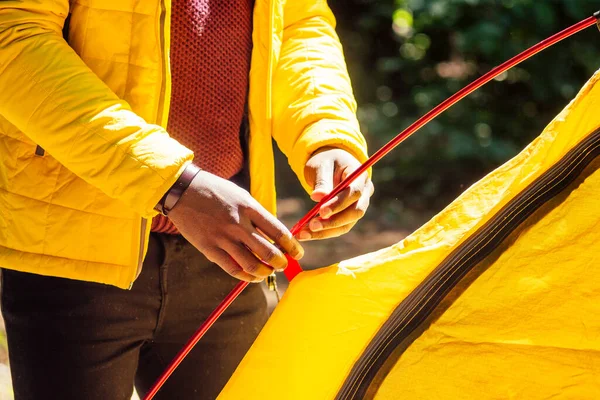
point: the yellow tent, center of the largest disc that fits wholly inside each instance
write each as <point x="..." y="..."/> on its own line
<point x="497" y="297"/>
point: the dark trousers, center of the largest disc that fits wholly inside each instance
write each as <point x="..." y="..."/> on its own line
<point x="77" y="340"/>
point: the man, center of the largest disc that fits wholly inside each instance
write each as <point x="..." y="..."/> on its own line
<point x="87" y="164"/>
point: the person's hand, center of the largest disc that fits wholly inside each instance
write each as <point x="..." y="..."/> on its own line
<point x="232" y="229"/>
<point x="325" y="169"/>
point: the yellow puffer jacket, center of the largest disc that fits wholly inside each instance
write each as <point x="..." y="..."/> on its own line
<point x="83" y="149"/>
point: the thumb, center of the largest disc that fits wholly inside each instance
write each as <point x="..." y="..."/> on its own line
<point x="323" y="181"/>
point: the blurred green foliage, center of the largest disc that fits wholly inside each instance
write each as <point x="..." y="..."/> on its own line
<point x="406" y="56"/>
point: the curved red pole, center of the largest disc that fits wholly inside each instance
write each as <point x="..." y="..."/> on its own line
<point x="293" y="268"/>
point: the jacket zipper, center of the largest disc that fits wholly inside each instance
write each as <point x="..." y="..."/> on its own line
<point x="162" y="113"/>
<point x="164" y="23"/>
<point x="268" y="100"/>
<point x="418" y="306"/>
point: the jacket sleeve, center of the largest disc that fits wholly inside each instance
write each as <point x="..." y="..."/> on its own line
<point x="313" y="104"/>
<point x="48" y="93"/>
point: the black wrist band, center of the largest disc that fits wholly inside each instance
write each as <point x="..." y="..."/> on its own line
<point x="170" y="199"/>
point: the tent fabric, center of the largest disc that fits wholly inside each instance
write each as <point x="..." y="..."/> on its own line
<point x="496" y="297"/>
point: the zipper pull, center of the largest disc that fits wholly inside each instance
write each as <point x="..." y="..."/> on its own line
<point x="272" y="285"/>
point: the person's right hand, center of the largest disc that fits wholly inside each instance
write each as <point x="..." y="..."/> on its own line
<point x="231" y="228"/>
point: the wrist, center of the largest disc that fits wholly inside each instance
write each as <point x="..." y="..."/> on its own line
<point x="173" y="195"/>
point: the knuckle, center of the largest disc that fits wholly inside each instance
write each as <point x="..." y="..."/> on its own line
<point x="234" y="271"/>
<point x="269" y="256"/>
<point x="320" y="181"/>
<point x="234" y="233"/>
<point x="344" y="201"/>
<point x="332" y="223"/>
<point x="283" y="235"/>
<point x="326" y="224"/>
<point x="244" y="209"/>
<point x="273" y="257"/>
<point x="243" y="205"/>
<point x="319" y="235"/>
<point x="355" y="194"/>
<point x="279" y="234"/>
<point x="252" y="268"/>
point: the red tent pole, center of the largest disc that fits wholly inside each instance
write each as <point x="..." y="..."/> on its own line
<point x="293" y="268"/>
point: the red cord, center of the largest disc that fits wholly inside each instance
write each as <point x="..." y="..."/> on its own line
<point x="293" y="268"/>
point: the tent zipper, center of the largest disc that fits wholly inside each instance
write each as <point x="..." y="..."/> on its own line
<point x="415" y="309"/>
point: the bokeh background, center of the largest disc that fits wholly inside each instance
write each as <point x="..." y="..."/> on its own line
<point x="405" y="57"/>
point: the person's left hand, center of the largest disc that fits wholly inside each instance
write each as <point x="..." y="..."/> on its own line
<point x="325" y="169"/>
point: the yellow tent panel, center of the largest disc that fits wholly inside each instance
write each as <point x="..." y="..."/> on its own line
<point x="497" y="297"/>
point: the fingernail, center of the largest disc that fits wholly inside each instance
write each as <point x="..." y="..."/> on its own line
<point x="326" y="213"/>
<point x="316" y="225"/>
<point x="304" y="235"/>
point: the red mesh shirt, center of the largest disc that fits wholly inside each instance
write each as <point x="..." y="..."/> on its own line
<point x="211" y="42"/>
